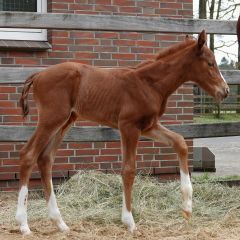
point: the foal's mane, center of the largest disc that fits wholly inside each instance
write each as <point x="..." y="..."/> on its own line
<point x="169" y="51"/>
<point x="175" y="48"/>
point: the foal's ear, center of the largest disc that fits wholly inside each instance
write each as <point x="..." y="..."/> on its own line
<point x="202" y="39"/>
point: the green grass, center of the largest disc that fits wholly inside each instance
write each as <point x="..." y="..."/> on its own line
<point x="207" y="177"/>
<point x="210" y="118"/>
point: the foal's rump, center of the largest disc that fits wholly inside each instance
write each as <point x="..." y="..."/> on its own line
<point x="53" y="88"/>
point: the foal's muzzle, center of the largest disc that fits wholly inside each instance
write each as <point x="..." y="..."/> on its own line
<point x="222" y="94"/>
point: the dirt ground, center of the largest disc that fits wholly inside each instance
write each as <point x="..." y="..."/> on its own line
<point x="228" y="229"/>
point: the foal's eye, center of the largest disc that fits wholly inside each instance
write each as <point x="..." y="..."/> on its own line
<point x="210" y="64"/>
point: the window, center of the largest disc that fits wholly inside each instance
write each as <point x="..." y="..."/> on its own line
<point x="23" y="6"/>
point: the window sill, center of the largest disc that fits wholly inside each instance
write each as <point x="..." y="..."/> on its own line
<point x="18" y="45"/>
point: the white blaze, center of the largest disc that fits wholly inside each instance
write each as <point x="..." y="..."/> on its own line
<point x="223" y="77"/>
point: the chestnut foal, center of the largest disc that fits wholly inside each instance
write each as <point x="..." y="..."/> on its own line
<point x="131" y="100"/>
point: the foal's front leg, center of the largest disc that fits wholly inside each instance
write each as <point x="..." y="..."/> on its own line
<point x="129" y="140"/>
<point x="163" y="135"/>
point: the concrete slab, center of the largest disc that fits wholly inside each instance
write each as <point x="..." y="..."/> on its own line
<point x="227" y="153"/>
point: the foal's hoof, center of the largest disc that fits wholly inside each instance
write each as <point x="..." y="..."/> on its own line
<point x="63" y="227"/>
<point x="129" y="222"/>
<point x="25" y="230"/>
<point x="187" y="215"/>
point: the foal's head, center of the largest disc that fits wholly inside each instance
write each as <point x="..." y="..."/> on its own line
<point x="204" y="70"/>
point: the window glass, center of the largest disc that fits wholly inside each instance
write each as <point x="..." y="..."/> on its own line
<point x="18" y="5"/>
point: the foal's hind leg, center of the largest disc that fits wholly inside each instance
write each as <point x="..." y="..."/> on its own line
<point x="129" y="140"/>
<point x="162" y="134"/>
<point x="45" y="162"/>
<point x="28" y="158"/>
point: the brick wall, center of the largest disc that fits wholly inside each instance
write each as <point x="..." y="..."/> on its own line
<point x="99" y="49"/>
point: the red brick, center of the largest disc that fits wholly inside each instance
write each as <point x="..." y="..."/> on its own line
<point x="124" y="2"/>
<point x="6" y="147"/>
<point x="165" y="157"/>
<point x="87" y="41"/>
<point x="133" y="36"/>
<point x="145" y="144"/>
<point x="59" y="48"/>
<point x="166" y="37"/>
<point x="79" y="145"/>
<point x="86" y="55"/>
<point x="79" y="34"/>
<point x="7" y="176"/>
<point x="7" y="89"/>
<point x="147" y="150"/>
<point x="20" y="54"/>
<point x="124" y="42"/>
<point x="85" y="159"/>
<point x="185" y="13"/>
<point x="66" y="1"/>
<point x="57" y="33"/>
<point x="111" y="151"/>
<point x="151" y="164"/>
<point x="10" y="111"/>
<point x="87" y="152"/>
<point x="106" y="158"/>
<point x="67" y="166"/>
<point x="107" y="2"/>
<point x="80" y="7"/>
<point x="12" y="162"/>
<point x="131" y="10"/>
<point x="123" y="56"/>
<point x="27" y="61"/>
<point x="3" y="96"/>
<point x="171" y="5"/>
<point x="57" y="40"/>
<point x="7" y="104"/>
<point x="64" y="152"/>
<point x="110" y="35"/>
<point x="13" y="119"/>
<point x="165" y="12"/>
<point x="185" y="104"/>
<point x="106" y="8"/>
<point x="60" y="6"/>
<point x="8" y="169"/>
<point x="60" y="55"/>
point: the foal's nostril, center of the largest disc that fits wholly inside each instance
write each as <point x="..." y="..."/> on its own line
<point x="227" y="90"/>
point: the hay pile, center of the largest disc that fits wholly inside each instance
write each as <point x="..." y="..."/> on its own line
<point x="98" y="197"/>
<point x="91" y="205"/>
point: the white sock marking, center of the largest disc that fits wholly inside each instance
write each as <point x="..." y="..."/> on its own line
<point x="21" y="214"/>
<point x="127" y="217"/>
<point x="223" y="77"/>
<point x="186" y="188"/>
<point x="54" y="213"/>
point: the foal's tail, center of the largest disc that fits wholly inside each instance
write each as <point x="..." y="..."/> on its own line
<point x="23" y="100"/>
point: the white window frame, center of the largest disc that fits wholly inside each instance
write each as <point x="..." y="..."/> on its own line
<point x="26" y="34"/>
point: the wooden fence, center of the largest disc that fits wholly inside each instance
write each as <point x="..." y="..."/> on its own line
<point x="113" y="23"/>
<point x="205" y="104"/>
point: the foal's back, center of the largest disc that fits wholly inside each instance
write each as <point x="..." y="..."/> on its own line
<point x="93" y="93"/>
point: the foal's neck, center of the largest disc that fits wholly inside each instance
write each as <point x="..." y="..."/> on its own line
<point x="166" y="76"/>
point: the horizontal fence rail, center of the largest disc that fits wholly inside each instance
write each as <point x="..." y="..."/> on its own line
<point x="113" y="23"/>
<point x="96" y="134"/>
<point x="19" y="74"/>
